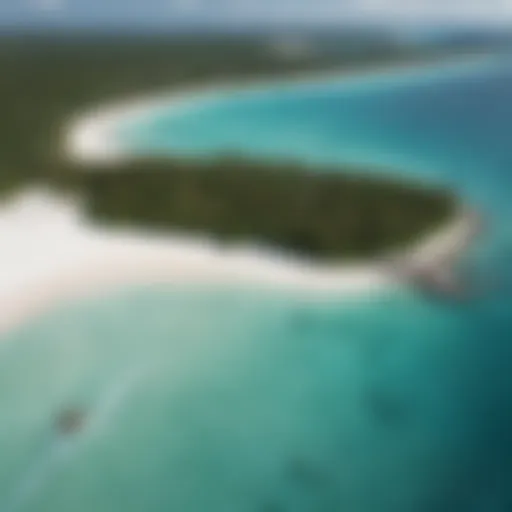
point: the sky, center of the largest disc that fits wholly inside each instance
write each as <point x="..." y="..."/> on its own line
<point x="182" y="12"/>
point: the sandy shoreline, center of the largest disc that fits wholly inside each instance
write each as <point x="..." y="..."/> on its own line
<point x="50" y="253"/>
<point x="90" y="136"/>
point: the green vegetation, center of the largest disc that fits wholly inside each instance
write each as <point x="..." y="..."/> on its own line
<point x="46" y="79"/>
<point x="323" y="215"/>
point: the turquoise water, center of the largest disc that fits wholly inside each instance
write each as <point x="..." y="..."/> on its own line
<point x="228" y="399"/>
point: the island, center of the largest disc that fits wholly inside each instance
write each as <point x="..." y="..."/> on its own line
<point x="327" y="214"/>
<point x="48" y="78"/>
<point x="68" y="228"/>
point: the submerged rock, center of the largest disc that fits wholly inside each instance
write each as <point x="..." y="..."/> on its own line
<point x="384" y="408"/>
<point x="442" y="284"/>
<point x="272" y="507"/>
<point x="70" y="421"/>
<point x="303" y="473"/>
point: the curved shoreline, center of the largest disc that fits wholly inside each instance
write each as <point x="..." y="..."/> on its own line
<point x="90" y="136"/>
<point x="51" y="254"/>
<point x="66" y="258"/>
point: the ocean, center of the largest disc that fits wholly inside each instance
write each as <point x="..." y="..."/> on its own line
<point x="227" y="399"/>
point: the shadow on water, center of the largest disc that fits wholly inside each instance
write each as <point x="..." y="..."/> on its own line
<point x="314" y="484"/>
<point x="271" y="506"/>
<point x="62" y="446"/>
<point x="384" y="408"/>
<point x="304" y="473"/>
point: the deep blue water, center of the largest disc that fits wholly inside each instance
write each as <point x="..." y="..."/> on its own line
<point x="240" y="400"/>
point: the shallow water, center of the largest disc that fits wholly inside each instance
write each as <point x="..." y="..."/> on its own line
<point x="237" y="400"/>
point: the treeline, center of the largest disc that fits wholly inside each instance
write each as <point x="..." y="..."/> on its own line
<point x="46" y="79"/>
<point x="328" y="215"/>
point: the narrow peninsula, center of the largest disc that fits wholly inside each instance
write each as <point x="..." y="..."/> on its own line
<point x="77" y="229"/>
<point x="327" y="215"/>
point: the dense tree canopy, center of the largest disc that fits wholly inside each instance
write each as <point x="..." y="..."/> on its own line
<point x="322" y="214"/>
<point x="45" y="80"/>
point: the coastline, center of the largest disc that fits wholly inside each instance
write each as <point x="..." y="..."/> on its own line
<point x="90" y="135"/>
<point x="51" y="254"/>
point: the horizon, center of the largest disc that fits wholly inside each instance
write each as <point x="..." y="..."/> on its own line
<point x="241" y="15"/>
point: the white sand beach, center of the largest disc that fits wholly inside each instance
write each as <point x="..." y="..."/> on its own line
<point x="90" y="136"/>
<point x="50" y="253"/>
